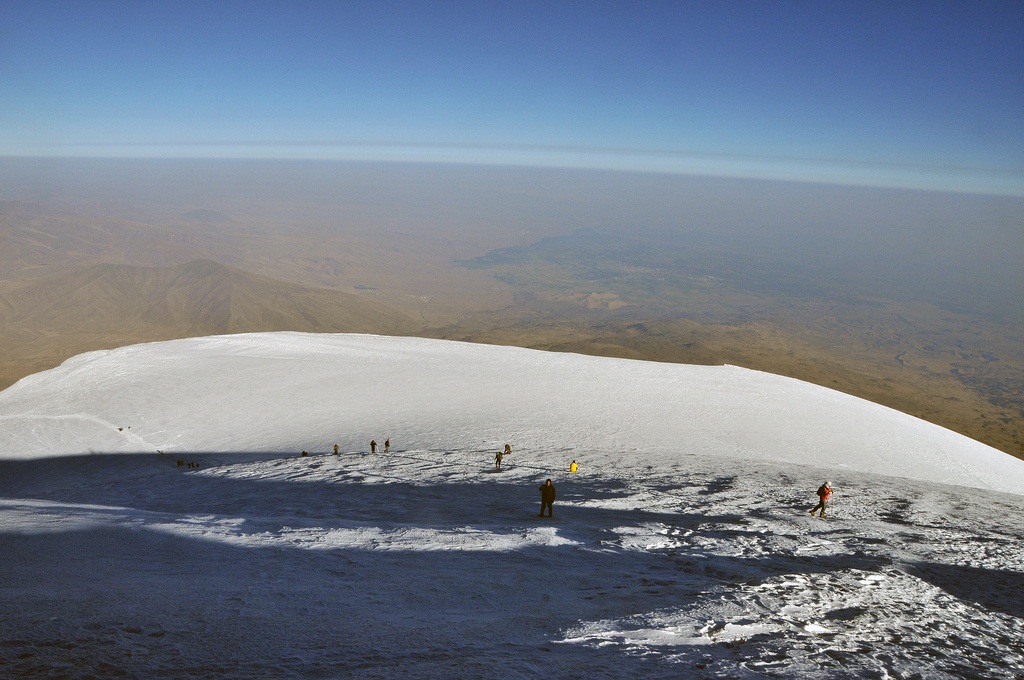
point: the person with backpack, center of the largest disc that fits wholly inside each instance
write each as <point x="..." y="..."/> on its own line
<point x="824" y="493"/>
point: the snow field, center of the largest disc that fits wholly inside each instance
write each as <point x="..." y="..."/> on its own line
<point x="682" y="548"/>
<point x="416" y="554"/>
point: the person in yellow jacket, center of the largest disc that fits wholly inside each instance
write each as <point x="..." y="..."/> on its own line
<point x="573" y="467"/>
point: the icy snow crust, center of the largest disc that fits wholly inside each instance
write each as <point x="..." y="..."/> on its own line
<point x="682" y="548"/>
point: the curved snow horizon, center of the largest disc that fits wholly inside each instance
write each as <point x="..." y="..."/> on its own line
<point x="286" y="392"/>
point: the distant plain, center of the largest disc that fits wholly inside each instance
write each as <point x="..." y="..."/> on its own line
<point x="909" y="299"/>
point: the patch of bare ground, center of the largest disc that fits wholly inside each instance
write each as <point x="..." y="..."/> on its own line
<point x="106" y="306"/>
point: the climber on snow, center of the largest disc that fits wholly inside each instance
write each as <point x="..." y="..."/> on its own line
<point x="824" y="493"/>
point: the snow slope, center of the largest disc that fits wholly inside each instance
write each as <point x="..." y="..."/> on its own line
<point x="682" y="548"/>
<point x="279" y="392"/>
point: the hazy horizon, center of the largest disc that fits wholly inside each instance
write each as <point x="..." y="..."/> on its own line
<point x="923" y="95"/>
<point x="953" y="246"/>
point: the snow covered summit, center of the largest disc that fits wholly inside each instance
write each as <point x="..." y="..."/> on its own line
<point x="284" y="392"/>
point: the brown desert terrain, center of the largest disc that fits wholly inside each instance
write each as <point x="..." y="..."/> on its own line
<point x="83" y="270"/>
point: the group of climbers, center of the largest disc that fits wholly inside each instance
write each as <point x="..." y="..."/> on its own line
<point x="547" y="490"/>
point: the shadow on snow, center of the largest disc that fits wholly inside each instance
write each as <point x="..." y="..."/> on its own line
<point x="340" y="603"/>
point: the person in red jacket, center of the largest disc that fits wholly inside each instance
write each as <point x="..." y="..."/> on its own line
<point x="547" y="497"/>
<point x="824" y="492"/>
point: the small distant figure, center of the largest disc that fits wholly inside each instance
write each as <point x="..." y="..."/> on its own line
<point x="824" y="493"/>
<point x="387" y="444"/>
<point x="335" y="449"/>
<point x="573" y="467"/>
<point x="547" y="497"/>
<point x="181" y="463"/>
<point x="373" y="446"/>
<point x="497" y="460"/>
<point x="508" y="450"/>
<point x="304" y="453"/>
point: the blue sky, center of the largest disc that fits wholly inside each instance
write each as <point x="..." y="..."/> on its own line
<point x="911" y="94"/>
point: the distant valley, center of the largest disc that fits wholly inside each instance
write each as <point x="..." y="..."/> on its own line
<point x="510" y="257"/>
<point x="684" y="302"/>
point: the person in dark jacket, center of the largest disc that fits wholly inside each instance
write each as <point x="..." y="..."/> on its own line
<point x="547" y="497"/>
